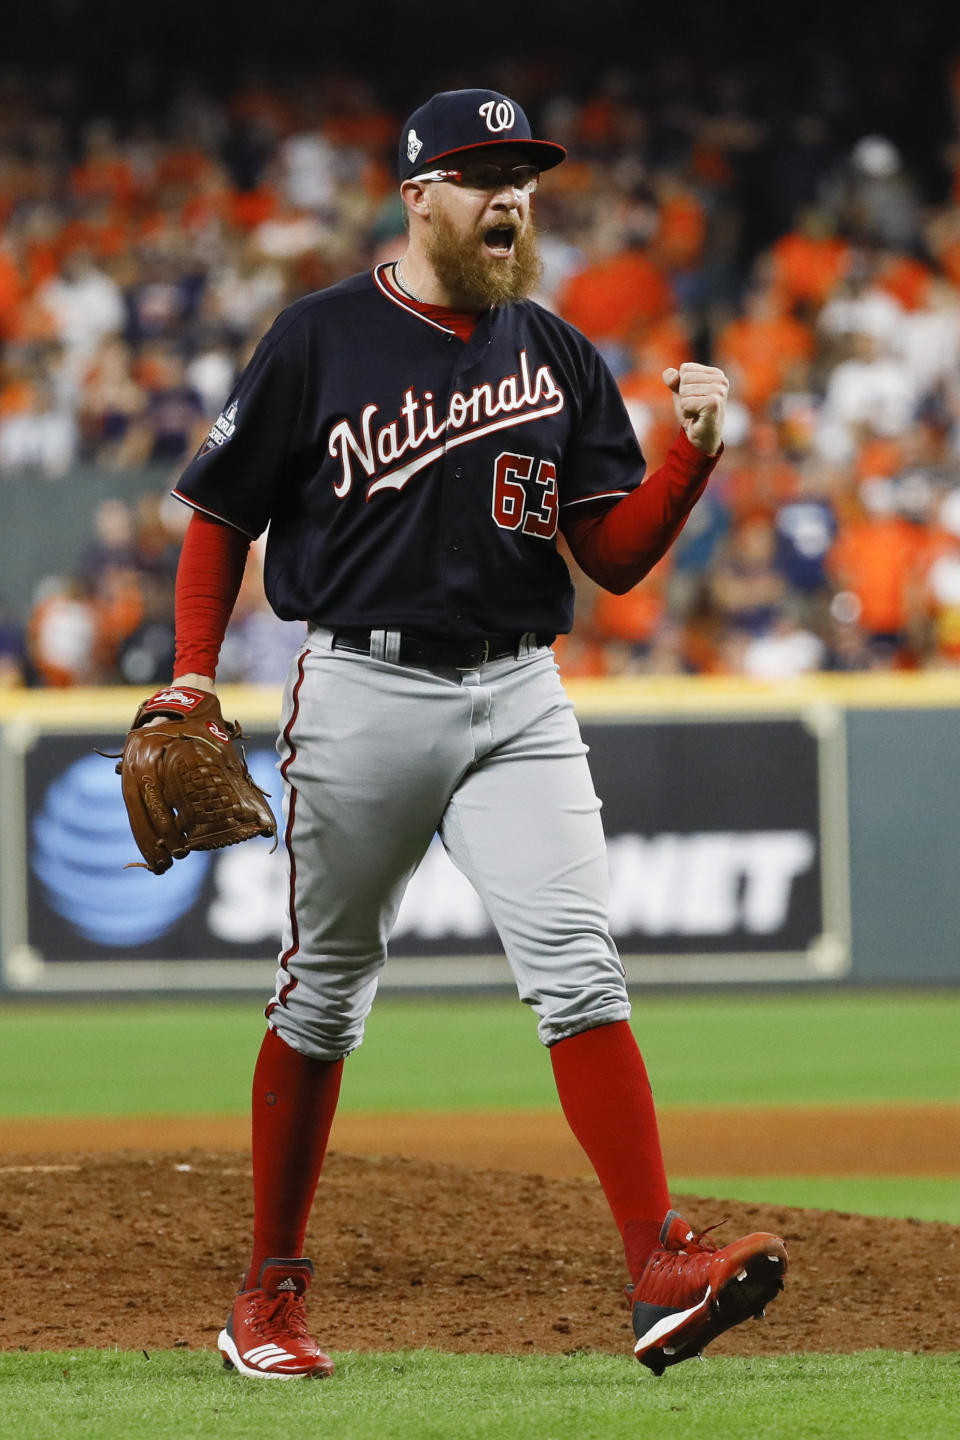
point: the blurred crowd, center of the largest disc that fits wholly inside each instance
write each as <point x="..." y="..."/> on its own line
<point x="142" y="258"/>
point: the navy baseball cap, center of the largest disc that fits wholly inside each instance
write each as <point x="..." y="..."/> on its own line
<point x="457" y="120"/>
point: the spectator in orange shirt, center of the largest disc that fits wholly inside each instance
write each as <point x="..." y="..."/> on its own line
<point x="99" y="226"/>
<point x="246" y="209"/>
<point x="182" y="166"/>
<point x="11" y="293"/>
<point x="582" y="653"/>
<point x="36" y="241"/>
<point x="104" y="172"/>
<point x="118" y="611"/>
<point x="807" y="262"/>
<point x="876" y="559"/>
<point x="613" y="296"/>
<point x="879" y="456"/>
<point x="629" y="622"/>
<point x="620" y="290"/>
<point x="906" y="278"/>
<point x="21" y="375"/>
<point x="682" y="230"/>
<point x="759" y="348"/>
<point x="759" y="477"/>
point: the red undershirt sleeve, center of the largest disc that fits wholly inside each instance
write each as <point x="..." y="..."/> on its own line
<point x="619" y="544"/>
<point x="209" y="573"/>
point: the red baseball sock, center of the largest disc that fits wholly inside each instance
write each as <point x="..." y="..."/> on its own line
<point x="294" y="1102"/>
<point x="605" y="1095"/>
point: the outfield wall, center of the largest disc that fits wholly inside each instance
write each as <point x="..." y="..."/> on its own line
<point x="802" y="833"/>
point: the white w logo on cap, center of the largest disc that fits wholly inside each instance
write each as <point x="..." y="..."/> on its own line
<point x="498" y="114"/>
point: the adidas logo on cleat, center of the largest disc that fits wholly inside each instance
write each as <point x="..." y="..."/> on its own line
<point x="263" y="1355"/>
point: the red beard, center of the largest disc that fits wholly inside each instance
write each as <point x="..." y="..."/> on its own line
<point x="475" y="279"/>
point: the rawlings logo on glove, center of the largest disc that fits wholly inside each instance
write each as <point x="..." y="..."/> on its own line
<point x="183" y="700"/>
<point x="185" y="785"/>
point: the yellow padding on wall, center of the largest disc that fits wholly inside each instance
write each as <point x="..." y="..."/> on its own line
<point x="614" y="698"/>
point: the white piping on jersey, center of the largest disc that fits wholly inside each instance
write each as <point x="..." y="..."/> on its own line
<point x="518" y="398"/>
<point x="398" y="299"/>
<point x="600" y="495"/>
<point x="178" y="495"/>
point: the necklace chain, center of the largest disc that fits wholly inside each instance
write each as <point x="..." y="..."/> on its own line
<point x="398" y="276"/>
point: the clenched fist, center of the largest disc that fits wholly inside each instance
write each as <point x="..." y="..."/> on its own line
<point x="700" y="400"/>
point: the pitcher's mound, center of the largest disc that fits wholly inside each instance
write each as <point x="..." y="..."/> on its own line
<point x="145" y="1251"/>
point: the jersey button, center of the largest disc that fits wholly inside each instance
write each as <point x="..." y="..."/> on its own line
<point x="455" y="543"/>
<point x="458" y="473"/>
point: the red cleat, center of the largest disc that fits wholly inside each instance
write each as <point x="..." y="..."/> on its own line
<point x="266" y="1335"/>
<point x="692" y="1290"/>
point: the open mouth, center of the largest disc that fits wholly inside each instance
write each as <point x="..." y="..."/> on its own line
<point x="499" y="240"/>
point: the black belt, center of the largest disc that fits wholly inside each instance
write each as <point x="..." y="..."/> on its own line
<point x="464" y="654"/>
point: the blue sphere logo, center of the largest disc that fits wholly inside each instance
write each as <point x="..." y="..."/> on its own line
<point x="81" y="841"/>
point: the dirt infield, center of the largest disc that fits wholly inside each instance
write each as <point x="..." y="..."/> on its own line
<point x="502" y="1245"/>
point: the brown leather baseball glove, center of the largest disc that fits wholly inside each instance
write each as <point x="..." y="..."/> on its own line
<point x="186" y="785"/>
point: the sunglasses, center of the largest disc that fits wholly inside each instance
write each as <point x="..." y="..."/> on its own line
<point x="524" y="178"/>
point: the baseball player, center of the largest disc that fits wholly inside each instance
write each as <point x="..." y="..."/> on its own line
<point x="417" y="438"/>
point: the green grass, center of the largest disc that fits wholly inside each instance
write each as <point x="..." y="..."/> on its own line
<point x="197" y="1058"/>
<point x="424" y="1053"/>
<point x="700" y="1050"/>
<point x="137" y="1058"/>
<point x="929" y="1197"/>
<point x="424" y="1395"/>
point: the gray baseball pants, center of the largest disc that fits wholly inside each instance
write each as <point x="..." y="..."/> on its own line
<point x="376" y="759"/>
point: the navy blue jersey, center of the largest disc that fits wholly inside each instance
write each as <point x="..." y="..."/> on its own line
<point x="411" y="480"/>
